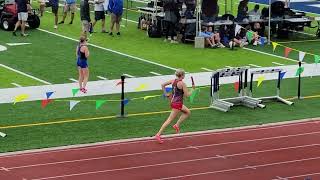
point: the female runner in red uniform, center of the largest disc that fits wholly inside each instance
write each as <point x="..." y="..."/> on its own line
<point x="179" y="90"/>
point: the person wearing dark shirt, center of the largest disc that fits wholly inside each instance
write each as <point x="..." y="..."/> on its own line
<point x="210" y="10"/>
<point x="22" y="9"/>
<point x="85" y="16"/>
<point x="55" y="7"/>
<point x="242" y="10"/>
<point x="171" y="18"/>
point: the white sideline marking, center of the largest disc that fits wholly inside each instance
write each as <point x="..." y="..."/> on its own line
<point x="128" y="75"/>
<point x="100" y="77"/>
<point x="110" y="50"/>
<point x="237" y="169"/>
<point x="158" y="74"/>
<point x="276" y="63"/>
<point x="148" y="139"/>
<point x="229" y="67"/>
<point x="271" y="54"/>
<point x="206" y="69"/>
<point x="253" y="65"/>
<point x="17" y="85"/>
<point x="71" y="79"/>
<point x="177" y="162"/>
<point x="304" y="175"/>
<point x="161" y="151"/>
<point x="27" y="75"/>
<point x="17" y="44"/>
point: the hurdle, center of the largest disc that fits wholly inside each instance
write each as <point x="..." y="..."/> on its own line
<point x="242" y="99"/>
<point x="277" y="96"/>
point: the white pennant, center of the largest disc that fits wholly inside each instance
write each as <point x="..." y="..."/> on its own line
<point x="2" y="134"/>
<point x="301" y="55"/>
<point x="73" y="104"/>
<point x="237" y="29"/>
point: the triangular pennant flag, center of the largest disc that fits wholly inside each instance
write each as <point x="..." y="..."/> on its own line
<point x="126" y="101"/>
<point x="260" y="79"/>
<point x="2" y="134"/>
<point x="262" y="41"/>
<point x="141" y="87"/>
<point x="301" y="55"/>
<point x="237" y="29"/>
<point x="75" y="91"/>
<point x="49" y="94"/>
<point x="299" y="71"/>
<point x="195" y="93"/>
<point x="236" y="86"/>
<point x="168" y="89"/>
<point x="20" y="98"/>
<point x="147" y="97"/>
<point x="99" y="103"/>
<point x="316" y="59"/>
<point x="250" y="36"/>
<point x="73" y="104"/>
<point x="45" y="102"/>
<point x="287" y="50"/>
<point x="282" y="74"/>
<point x="119" y="83"/>
<point x="274" y="45"/>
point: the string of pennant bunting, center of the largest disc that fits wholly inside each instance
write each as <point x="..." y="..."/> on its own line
<point x="100" y="102"/>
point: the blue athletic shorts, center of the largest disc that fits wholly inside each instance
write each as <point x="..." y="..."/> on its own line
<point x="82" y="63"/>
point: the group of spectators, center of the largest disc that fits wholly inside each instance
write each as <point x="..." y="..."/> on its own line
<point x="226" y="36"/>
<point x="101" y="8"/>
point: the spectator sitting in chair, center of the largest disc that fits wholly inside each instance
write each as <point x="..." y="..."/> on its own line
<point x="226" y="34"/>
<point x="258" y="33"/>
<point x="240" y="39"/>
<point x="255" y="11"/>
<point x="214" y="40"/>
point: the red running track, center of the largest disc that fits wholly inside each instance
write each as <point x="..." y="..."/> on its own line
<point x="288" y="151"/>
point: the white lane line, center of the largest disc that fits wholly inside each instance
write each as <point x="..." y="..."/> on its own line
<point x="100" y="77"/>
<point x="17" y="85"/>
<point x="276" y="63"/>
<point x="161" y="151"/>
<point x="206" y="69"/>
<point x="303" y="175"/>
<point x="110" y="50"/>
<point x="250" y="167"/>
<point x="229" y="67"/>
<point x="90" y="146"/>
<point x="17" y="44"/>
<point x="128" y="75"/>
<point x="71" y="79"/>
<point x="279" y="178"/>
<point x="243" y="168"/>
<point x="22" y="73"/>
<point x="183" y="176"/>
<point x="4" y="169"/>
<point x="253" y="65"/>
<point x="157" y="74"/>
<point x="270" y="54"/>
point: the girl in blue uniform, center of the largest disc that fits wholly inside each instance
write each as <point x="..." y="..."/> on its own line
<point x="179" y="91"/>
<point x="82" y="52"/>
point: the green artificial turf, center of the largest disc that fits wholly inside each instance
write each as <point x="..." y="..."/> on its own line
<point x="102" y="129"/>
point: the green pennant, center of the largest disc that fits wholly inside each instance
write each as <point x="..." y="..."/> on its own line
<point x="316" y="59"/>
<point x="75" y="91"/>
<point x="250" y="35"/>
<point x="99" y="103"/>
<point x="299" y="71"/>
<point x="194" y="94"/>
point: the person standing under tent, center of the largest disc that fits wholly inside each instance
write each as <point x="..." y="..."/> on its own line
<point x="179" y="91"/>
<point x="69" y="6"/>
<point x="242" y="10"/>
<point x="210" y="10"/>
<point x="22" y="8"/>
<point x="82" y="53"/>
<point x="99" y="13"/>
<point x="171" y="17"/>
<point x="115" y="7"/>
<point x="85" y="17"/>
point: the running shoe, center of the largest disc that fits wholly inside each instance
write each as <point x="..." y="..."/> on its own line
<point x="176" y="127"/>
<point x="158" y="138"/>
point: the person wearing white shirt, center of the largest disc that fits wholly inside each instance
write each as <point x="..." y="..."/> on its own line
<point x="99" y="12"/>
